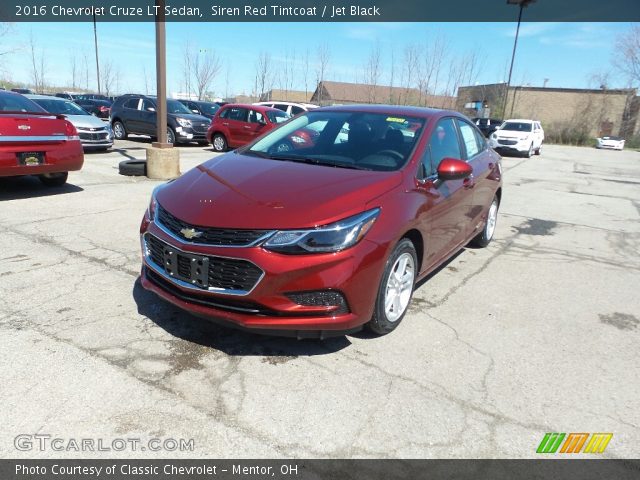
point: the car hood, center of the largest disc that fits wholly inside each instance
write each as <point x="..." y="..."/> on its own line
<point x="86" y="121"/>
<point x="238" y="191"/>
<point x="191" y="116"/>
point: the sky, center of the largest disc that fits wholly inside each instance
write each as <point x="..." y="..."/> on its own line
<point x="566" y="54"/>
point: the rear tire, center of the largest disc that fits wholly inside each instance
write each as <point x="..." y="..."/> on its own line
<point x="538" y="150"/>
<point x="171" y="136"/>
<point x="396" y="288"/>
<point x="219" y="142"/>
<point x="484" y="237"/>
<point x="54" y="179"/>
<point x="119" y="132"/>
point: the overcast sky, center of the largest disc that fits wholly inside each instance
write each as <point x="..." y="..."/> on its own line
<point x="565" y="54"/>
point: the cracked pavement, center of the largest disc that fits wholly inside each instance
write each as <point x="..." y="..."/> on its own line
<point x="536" y="333"/>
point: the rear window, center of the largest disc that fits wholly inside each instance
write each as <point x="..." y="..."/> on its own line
<point x="63" y="107"/>
<point x="18" y="103"/>
<point x="277" y="116"/>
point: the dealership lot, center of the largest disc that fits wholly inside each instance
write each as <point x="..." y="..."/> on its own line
<point x="536" y="333"/>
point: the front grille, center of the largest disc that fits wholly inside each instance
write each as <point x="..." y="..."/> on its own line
<point x="503" y="141"/>
<point x="200" y="127"/>
<point x="219" y="237"/>
<point x="205" y="272"/>
<point x="93" y="136"/>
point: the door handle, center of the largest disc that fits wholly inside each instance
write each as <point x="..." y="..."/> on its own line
<point x="226" y="124"/>
<point x="247" y="127"/>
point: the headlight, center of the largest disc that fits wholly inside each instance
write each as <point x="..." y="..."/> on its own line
<point x="183" y="122"/>
<point x="153" y="203"/>
<point x="494" y="136"/>
<point x="330" y="238"/>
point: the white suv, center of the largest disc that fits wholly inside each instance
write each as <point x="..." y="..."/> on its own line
<point x="291" y="108"/>
<point x="518" y="136"/>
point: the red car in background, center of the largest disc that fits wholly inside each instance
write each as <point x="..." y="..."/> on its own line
<point x="236" y="124"/>
<point x="327" y="237"/>
<point x="35" y="142"/>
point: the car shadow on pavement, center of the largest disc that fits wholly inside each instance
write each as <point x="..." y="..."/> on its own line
<point x="16" y="188"/>
<point x="231" y="341"/>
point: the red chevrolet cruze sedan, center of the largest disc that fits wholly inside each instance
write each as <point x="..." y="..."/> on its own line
<point x="237" y="124"/>
<point x="34" y="142"/>
<point x="323" y="240"/>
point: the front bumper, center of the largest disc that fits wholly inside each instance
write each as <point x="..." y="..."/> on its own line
<point x="189" y="134"/>
<point x="266" y="307"/>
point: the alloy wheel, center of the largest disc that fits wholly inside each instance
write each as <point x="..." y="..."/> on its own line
<point x="399" y="287"/>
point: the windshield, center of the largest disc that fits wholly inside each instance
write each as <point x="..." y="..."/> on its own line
<point x="18" y="103"/>
<point x="174" y="106"/>
<point x="62" y="107"/>
<point x="277" y="116"/>
<point x="517" y="126"/>
<point x="209" y="108"/>
<point x="364" y="141"/>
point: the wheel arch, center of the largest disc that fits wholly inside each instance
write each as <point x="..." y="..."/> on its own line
<point x="418" y="243"/>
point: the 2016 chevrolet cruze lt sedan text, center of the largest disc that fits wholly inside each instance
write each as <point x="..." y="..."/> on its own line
<point x="327" y="237"/>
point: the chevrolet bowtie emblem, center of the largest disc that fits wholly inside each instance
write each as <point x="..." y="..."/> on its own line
<point x="190" y="233"/>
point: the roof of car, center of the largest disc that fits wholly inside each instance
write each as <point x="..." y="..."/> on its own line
<point x="521" y="120"/>
<point x="34" y="96"/>
<point x="282" y="102"/>
<point x="248" y="105"/>
<point x="421" y="112"/>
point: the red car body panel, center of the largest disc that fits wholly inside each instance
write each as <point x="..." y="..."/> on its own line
<point x="52" y="136"/>
<point x="237" y="191"/>
<point x="239" y="133"/>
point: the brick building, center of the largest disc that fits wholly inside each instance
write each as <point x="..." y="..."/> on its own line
<point x="593" y="112"/>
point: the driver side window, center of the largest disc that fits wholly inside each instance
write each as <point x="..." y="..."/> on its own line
<point x="442" y="144"/>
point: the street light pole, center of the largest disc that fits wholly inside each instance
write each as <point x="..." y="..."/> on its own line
<point x="95" y="42"/>
<point x="522" y="4"/>
<point x="161" y="77"/>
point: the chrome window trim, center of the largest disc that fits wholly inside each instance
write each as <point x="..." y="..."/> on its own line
<point x="33" y="138"/>
<point x="160" y="270"/>
<point x="255" y="243"/>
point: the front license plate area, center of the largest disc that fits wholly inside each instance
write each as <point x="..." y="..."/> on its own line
<point x="190" y="268"/>
<point x="31" y="158"/>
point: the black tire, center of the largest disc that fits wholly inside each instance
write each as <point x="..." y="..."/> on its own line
<point x="380" y="324"/>
<point x="530" y="151"/>
<point x="486" y="235"/>
<point x="133" y="168"/>
<point x="219" y="142"/>
<point x="203" y="143"/>
<point x="119" y="132"/>
<point x="538" y="149"/>
<point x="171" y="136"/>
<point x="54" y="179"/>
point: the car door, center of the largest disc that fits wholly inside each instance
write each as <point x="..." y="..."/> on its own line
<point x="484" y="161"/>
<point x="257" y="125"/>
<point x="131" y="114"/>
<point x="235" y="122"/>
<point x="148" y="117"/>
<point x="443" y="217"/>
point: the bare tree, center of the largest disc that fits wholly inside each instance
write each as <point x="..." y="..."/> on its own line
<point x="373" y="70"/>
<point x="75" y="70"/>
<point x="146" y="80"/>
<point x="410" y="59"/>
<point x="324" y="56"/>
<point x="627" y="54"/>
<point x="187" y="66"/>
<point x="5" y="31"/>
<point x="305" y="72"/>
<point x="392" y="72"/>
<point x="264" y="74"/>
<point x="85" y="65"/>
<point x="205" y="68"/>
<point x="109" y="75"/>
<point x="38" y="65"/>
<point x="227" y="78"/>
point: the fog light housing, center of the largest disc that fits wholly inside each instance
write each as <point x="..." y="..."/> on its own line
<point x="321" y="298"/>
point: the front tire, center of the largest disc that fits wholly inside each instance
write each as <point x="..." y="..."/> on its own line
<point x="484" y="237"/>
<point x="119" y="132"/>
<point x="54" y="179"/>
<point x="530" y="151"/>
<point x="171" y="136"/>
<point x="539" y="149"/>
<point x="396" y="288"/>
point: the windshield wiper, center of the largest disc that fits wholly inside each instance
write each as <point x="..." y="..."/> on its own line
<point x="315" y="161"/>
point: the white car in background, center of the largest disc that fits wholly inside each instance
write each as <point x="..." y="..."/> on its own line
<point x="519" y="136"/>
<point x="614" y="143"/>
<point x="291" y="108"/>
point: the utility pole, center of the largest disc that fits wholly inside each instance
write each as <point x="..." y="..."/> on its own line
<point x="161" y="77"/>
<point x="95" y="41"/>
<point x="522" y="4"/>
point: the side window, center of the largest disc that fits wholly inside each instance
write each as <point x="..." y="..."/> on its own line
<point x="131" y="103"/>
<point x="279" y="106"/>
<point x="443" y="144"/>
<point x="238" y="114"/>
<point x="255" y="116"/>
<point x="296" y="110"/>
<point x="225" y="113"/>
<point x="469" y="138"/>
<point x="482" y="142"/>
<point x="148" y="106"/>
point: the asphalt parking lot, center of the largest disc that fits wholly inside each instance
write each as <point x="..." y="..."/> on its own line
<point x="536" y="333"/>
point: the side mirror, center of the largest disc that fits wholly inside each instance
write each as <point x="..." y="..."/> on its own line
<point x="453" y="169"/>
<point x="194" y="110"/>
